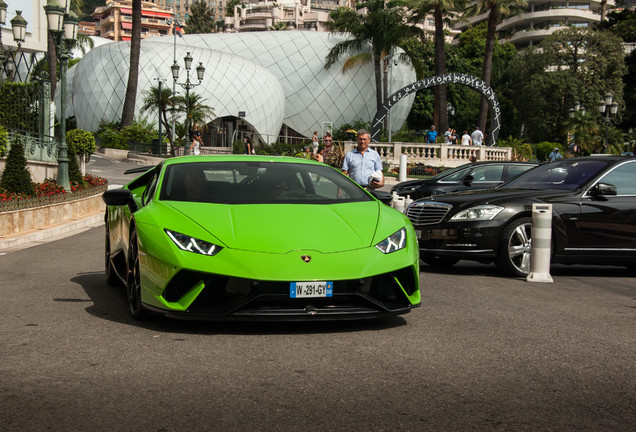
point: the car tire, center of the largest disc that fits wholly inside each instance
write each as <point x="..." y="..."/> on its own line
<point x="439" y="261"/>
<point x="514" y="249"/>
<point x="111" y="276"/>
<point x="133" y="280"/>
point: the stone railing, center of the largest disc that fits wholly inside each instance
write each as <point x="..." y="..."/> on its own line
<point x="436" y="154"/>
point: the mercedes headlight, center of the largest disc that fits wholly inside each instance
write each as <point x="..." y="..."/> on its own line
<point x="191" y="244"/>
<point x="478" y="213"/>
<point x="394" y="242"/>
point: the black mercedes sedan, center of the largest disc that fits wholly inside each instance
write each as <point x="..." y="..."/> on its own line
<point x="471" y="176"/>
<point x="593" y="217"/>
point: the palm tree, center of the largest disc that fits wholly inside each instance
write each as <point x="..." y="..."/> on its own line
<point x="195" y="109"/>
<point x="128" y="111"/>
<point x="165" y="100"/>
<point x="497" y="9"/>
<point x="443" y="11"/>
<point x="585" y="130"/>
<point x="382" y="28"/>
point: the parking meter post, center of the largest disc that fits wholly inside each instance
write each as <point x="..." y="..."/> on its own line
<point x="402" y="175"/>
<point x="541" y="244"/>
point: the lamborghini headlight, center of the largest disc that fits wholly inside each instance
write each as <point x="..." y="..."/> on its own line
<point x="192" y="244"/>
<point x="478" y="213"/>
<point x="394" y="242"/>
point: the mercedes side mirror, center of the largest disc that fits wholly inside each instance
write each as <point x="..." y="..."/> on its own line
<point x="603" y="189"/>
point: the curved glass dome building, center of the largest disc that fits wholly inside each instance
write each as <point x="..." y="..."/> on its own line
<point x="264" y="83"/>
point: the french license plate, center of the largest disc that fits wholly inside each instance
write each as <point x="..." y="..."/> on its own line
<point x="310" y="289"/>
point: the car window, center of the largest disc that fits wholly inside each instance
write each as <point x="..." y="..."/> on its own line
<point x="623" y="177"/>
<point x="456" y="176"/>
<point x="489" y="173"/>
<point x="515" y="170"/>
<point x="151" y="188"/>
<point x="569" y="174"/>
<point x="242" y="182"/>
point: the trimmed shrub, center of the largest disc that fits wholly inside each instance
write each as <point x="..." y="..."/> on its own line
<point x="16" y="177"/>
<point x="82" y="142"/>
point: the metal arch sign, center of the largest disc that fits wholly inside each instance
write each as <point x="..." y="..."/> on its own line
<point x="453" y="78"/>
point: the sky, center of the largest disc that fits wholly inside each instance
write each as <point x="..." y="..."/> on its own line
<point x="27" y="12"/>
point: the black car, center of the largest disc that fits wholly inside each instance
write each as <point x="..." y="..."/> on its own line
<point x="593" y="217"/>
<point x="471" y="176"/>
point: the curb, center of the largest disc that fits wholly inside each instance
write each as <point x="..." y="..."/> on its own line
<point x="60" y="231"/>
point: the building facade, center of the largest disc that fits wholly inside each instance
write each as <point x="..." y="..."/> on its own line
<point x="262" y="84"/>
<point x="114" y="20"/>
<point x="542" y="19"/>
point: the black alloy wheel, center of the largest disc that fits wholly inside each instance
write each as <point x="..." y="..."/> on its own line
<point x="133" y="281"/>
<point x="515" y="247"/>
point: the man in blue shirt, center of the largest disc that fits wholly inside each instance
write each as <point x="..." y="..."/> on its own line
<point x="555" y="155"/>
<point x="431" y="136"/>
<point x="361" y="162"/>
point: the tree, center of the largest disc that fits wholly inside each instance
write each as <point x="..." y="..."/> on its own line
<point x="128" y="111"/>
<point x="153" y="100"/>
<point x="623" y="25"/>
<point x="195" y="109"/>
<point x="443" y="11"/>
<point x="496" y="9"/>
<point x="572" y="65"/>
<point x="16" y="177"/>
<point x="371" y="38"/>
<point x="229" y="6"/>
<point x="200" y="19"/>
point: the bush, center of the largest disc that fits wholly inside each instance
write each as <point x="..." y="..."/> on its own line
<point x="80" y="141"/>
<point x="16" y="177"/>
<point x="138" y="133"/>
<point x="543" y="150"/>
<point x="112" y="138"/>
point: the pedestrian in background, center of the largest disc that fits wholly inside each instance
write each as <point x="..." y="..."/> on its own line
<point x="555" y="155"/>
<point x="197" y="143"/>
<point x="249" y="149"/>
<point x="315" y="142"/>
<point x="477" y="136"/>
<point x="466" y="139"/>
<point x="431" y="135"/>
<point x="363" y="164"/>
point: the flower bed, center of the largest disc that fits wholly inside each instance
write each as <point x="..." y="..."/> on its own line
<point x="49" y="192"/>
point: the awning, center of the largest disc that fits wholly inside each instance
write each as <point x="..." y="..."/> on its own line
<point x="126" y="26"/>
<point x="125" y="38"/>
<point x="155" y="14"/>
<point x="126" y="11"/>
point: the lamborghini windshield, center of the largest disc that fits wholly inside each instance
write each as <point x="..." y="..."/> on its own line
<point x="246" y="182"/>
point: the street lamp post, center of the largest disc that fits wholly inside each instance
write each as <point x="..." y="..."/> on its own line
<point x="64" y="28"/>
<point x="393" y="62"/>
<point x="603" y="104"/>
<point x="175" y="30"/>
<point x="18" y="28"/>
<point x="187" y="85"/>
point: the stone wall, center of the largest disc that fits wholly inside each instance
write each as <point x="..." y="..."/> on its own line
<point x="26" y="220"/>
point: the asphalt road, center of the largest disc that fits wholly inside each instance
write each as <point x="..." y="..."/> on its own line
<point x="482" y="353"/>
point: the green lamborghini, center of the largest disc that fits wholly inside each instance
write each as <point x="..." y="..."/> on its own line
<point x="258" y="238"/>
